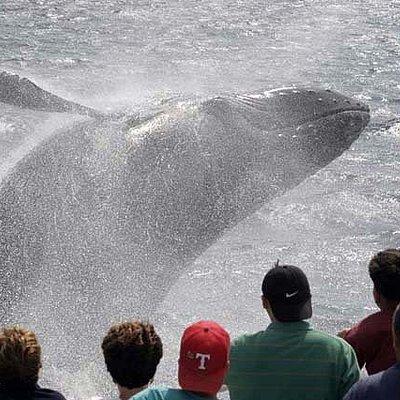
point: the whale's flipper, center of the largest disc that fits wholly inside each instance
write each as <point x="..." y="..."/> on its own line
<point x="24" y="93"/>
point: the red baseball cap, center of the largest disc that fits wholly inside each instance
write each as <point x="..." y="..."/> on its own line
<point x="203" y="360"/>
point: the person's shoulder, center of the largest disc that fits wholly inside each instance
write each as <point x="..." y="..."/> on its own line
<point x="376" y="318"/>
<point x="366" y="388"/>
<point x="154" y="393"/>
<point x="328" y="340"/>
<point x="48" y="394"/>
<point x="248" y="339"/>
<point x="374" y="325"/>
<point x="158" y="393"/>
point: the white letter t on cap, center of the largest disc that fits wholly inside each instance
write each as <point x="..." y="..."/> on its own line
<point x="203" y="358"/>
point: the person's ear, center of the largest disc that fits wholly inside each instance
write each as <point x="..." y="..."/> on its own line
<point x="377" y="297"/>
<point x="267" y="306"/>
<point x="265" y="303"/>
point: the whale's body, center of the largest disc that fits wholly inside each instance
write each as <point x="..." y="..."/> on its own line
<point x="99" y="220"/>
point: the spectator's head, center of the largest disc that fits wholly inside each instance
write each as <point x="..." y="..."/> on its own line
<point x="203" y="359"/>
<point x="132" y="351"/>
<point x="286" y="294"/>
<point x="20" y="359"/>
<point x="384" y="270"/>
<point x="396" y="332"/>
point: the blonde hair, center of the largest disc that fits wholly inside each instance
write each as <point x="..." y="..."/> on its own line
<point x="20" y="358"/>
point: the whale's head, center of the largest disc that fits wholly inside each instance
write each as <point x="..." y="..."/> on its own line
<point x="317" y="125"/>
<point x="201" y="169"/>
<point x="271" y="141"/>
<point x="314" y="126"/>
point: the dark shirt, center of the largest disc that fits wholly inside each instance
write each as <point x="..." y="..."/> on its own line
<point x="36" y="393"/>
<point x="382" y="386"/>
<point x="372" y="342"/>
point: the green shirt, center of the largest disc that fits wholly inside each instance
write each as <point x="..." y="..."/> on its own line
<point x="291" y="361"/>
<point x="160" y="393"/>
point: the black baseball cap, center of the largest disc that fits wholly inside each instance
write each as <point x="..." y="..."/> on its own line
<point x="287" y="289"/>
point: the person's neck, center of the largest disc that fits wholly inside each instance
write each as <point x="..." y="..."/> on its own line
<point x="126" y="393"/>
<point x="388" y="306"/>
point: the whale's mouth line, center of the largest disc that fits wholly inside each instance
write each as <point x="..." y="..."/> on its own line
<point x="364" y="111"/>
<point x="320" y="109"/>
<point x="336" y="113"/>
<point x="312" y="122"/>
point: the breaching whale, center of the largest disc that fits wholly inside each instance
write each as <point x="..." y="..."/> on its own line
<point x="99" y="219"/>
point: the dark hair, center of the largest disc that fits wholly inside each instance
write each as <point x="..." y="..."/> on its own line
<point x="132" y="351"/>
<point x="20" y="359"/>
<point x="384" y="270"/>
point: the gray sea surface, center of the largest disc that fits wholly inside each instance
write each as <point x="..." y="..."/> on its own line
<point x="119" y="55"/>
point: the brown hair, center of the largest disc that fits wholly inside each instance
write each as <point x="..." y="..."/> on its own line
<point x="384" y="270"/>
<point x="132" y="351"/>
<point x="20" y="358"/>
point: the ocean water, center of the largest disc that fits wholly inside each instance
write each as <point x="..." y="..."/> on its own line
<point x="129" y="56"/>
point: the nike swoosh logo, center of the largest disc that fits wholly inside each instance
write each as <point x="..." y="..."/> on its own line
<point x="291" y="294"/>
